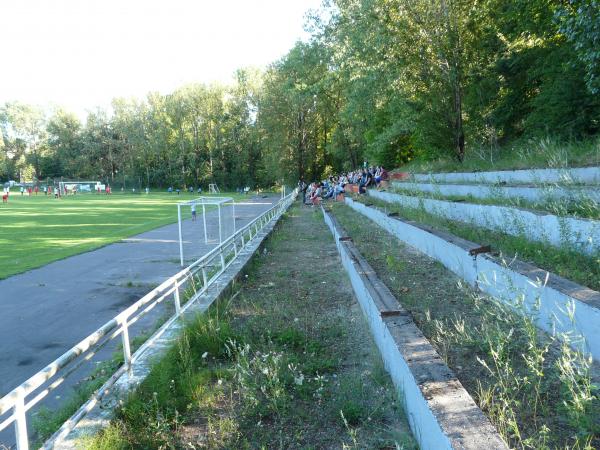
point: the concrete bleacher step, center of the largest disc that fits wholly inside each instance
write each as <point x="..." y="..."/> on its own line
<point x="485" y="191"/>
<point x="556" y="304"/>
<point x="582" y="175"/>
<point x="581" y="235"/>
<point x="440" y="411"/>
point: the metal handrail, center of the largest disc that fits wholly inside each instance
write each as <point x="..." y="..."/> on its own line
<point x="16" y="400"/>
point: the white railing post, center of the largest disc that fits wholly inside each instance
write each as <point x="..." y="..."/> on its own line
<point x="177" y="299"/>
<point x="19" y="406"/>
<point x="233" y="213"/>
<point x="204" y="221"/>
<point x="180" y="234"/>
<point x="204" y="278"/>
<point x="126" y="347"/>
<point x="21" y="424"/>
<point x="220" y="232"/>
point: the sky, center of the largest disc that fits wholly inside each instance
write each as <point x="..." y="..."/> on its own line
<point x="80" y="54"/>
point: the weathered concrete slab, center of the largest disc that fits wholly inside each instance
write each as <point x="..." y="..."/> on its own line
<point x="441" y="413"/>
<point x="583" y="235"/>
<point x="483" y="191"/>
<point x="585" y="175"/>
<point x="556" y="304"/>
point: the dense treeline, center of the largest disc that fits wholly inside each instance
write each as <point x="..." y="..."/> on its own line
<point x="383" y="80"/>
<point x="198" y="134"/>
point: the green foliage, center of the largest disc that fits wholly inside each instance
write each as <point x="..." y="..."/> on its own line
<point x="428" y="80"/>
<point x="580" y="22"/>
<point x="389" y="81"/>
<point x="198" y="134"/>
<point x="295" y="115"/>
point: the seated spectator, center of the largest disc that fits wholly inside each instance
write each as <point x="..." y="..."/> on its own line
<point x="329" y="191"/>
<point x="381" y="180"/>
<point x="365" y="181"/>
<point x="339" y="189"/>
<point x="309" y="192"/>
<point x="315" y="197"/>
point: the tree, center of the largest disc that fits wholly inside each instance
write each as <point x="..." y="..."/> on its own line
<point x="65" y="145"/>
<point x="292" y="116"/>
<point x="580" y="22"/>
<point x="24" y="133"/>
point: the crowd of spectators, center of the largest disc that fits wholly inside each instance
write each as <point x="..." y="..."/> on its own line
<point x="336" y="186"/>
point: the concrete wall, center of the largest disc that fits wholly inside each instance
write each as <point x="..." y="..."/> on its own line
<point x="586" y="175"/>
<point x="533" y="194"/>
<point x="582" y="235"/>
<point x="452" y="256"/>
<point x="558" y="305"/>
<point x="441" y="413"/>
<point x="554" y="310"/>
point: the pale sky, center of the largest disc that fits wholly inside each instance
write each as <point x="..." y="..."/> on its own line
<point x="82" y="53"/>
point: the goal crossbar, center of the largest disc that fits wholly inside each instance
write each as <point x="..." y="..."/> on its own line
<point x="207" y="201"/>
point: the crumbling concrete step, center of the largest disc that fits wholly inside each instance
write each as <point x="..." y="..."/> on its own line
<point x="441" y="413"/>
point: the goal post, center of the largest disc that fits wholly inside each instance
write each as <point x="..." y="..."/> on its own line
<point x="204" y="203"/>
<point x="83" y="187"/>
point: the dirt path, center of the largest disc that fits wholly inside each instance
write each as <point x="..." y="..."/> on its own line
<point x="286" y="362"/>
<point x="301" y="292"/>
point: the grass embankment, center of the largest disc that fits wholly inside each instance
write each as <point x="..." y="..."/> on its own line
<point x="287" y="362"/>
<point x="40" y="229"/>
<point x="581" y="206"/>
<point x="563" y="261"/>
<point x="536" y="390"/>
<point x="531" y="154"/>
<point x="46" y="421"/>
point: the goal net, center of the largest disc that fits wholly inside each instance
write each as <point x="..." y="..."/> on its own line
<point x="81" y="187"/>
<point x="212" y="223"/>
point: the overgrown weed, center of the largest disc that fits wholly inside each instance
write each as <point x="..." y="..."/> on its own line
<point x="272" y="369"/>
<point x="536" y="389"/>
<point x="564" y="261"/>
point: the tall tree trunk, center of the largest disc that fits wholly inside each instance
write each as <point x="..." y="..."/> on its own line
<point x="458" y="126"/>
<point x="301" y="144"/>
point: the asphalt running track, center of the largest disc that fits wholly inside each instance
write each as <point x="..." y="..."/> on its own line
<point x="45" y="311"/>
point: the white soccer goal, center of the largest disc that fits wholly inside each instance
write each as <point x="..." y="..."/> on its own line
<point x="225" y="217"/>
<point x="213" y="189"/>
<point x="80" y="187"/>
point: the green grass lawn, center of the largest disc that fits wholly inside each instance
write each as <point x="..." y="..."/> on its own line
<point x="37" y="230"/>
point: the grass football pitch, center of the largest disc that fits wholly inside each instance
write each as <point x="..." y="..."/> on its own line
<point x="37" y="230"/>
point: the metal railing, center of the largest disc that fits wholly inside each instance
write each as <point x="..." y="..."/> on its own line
<point x="199" y="276"/>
